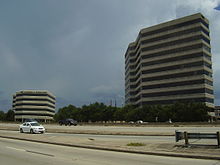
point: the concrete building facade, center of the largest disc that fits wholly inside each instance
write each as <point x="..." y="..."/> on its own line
<point x="34" y="104"/>
<point x="170" y="62"/>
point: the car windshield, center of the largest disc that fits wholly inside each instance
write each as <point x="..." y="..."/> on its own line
<point x="35" y="124"/>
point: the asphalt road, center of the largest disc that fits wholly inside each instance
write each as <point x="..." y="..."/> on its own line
<point x="141" y="129"/>
<point x="121" y="129"/>
<point x="25" y="153"/>
<point x="101" y="137"/>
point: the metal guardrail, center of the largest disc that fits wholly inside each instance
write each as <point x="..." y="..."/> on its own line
<point x="186" y="136"/>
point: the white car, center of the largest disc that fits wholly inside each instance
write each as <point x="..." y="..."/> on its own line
<point x="139" y="122"/>
<point x="31" y="127"/>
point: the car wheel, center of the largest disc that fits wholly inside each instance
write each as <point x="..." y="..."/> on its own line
<point x="31" y="131"/>
<point x="21" y="130"/>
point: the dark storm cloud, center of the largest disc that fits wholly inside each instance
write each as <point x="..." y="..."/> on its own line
<point x="5" y="104"/>
<point x="1" y="93"/>
<point x="75" y="49"/>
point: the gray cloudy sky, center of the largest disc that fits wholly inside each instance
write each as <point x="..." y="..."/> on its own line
<point x="75" y="48"/>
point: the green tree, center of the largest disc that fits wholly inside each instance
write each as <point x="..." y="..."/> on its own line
<point x="122" y="114"/>
<point x="65" y="112"/>
<point x="9" y="116"/>
<point x="164" y="113"/>
<point x="189" y="112"/>
<point x="2" y="116"/>
<point x="178" y="112"/>
<point x="97" y="112"/>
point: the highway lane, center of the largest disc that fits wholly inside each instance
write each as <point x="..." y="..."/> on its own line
<point x="126" y="129"/>
<point x="26" y="153"/>
<point x="137" y="129"/>
<point x="103" y="138"/>
<point x="107" y="137"/>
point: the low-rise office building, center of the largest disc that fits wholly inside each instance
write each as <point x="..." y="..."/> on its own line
<point x="34" y="104"/>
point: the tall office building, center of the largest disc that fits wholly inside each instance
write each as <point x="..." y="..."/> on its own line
<point x="32" y="104"/>
<point x="170" y="62"/>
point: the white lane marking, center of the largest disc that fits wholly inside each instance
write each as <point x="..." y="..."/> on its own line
<point x="18" y="149"/>
<point x="41" y="153"/>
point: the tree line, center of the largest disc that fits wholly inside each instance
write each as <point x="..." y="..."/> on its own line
<point x="7" y="116"/>
<point x="178" y="112"/>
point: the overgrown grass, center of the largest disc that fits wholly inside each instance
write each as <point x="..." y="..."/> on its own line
<point x="136" y="144"/>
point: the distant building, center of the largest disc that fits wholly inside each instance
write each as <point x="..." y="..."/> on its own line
<point x="170" y="62"/>
<point x="34" y="104"/>
<point x="216" y="114"/>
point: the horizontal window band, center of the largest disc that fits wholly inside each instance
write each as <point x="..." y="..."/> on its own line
<point x="34" y="110"/>
<point x="172" y="59"/>
<point x="180" y="66"/>
<point x="172" y="35"/>
<point x="34" y="99"/>
<point x="35" y="94"/>
<point x="168" y="52"/>
<point x="31" y="114"/>
<point x="175" y="75"/>
<point x="172" y="43"/>
<point x="178" y="58"/>
<point x="179" y="92"/>
<point x="205" y="31"/>
<point x="187" y="23"/>
<point x="172" y="93"/>
<point x="171" y="51"/>
<point x="206" y="40"/>
<point x="168" y="28"/>
<point x="173" y="84"/>
<point x="175" y="34"/>
<point x="31" y="104"/>
<point x="203" y="99"/>
<point x="192" y="55"/>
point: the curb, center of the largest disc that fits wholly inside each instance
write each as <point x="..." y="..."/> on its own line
<point x="120" y="150"/>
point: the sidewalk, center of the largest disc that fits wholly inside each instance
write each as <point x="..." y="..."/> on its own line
<point x="162" y="148"/>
